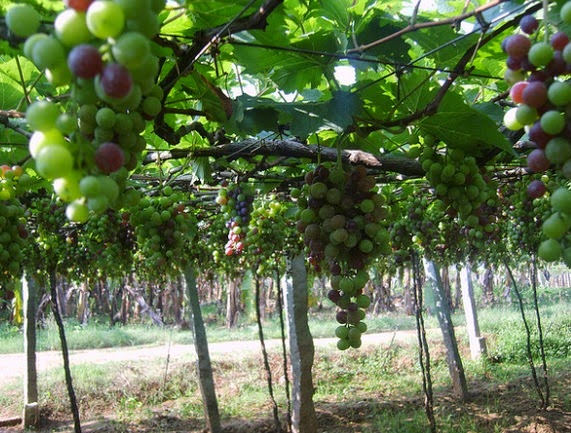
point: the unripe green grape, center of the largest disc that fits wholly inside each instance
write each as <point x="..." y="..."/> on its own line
<point x="123" y="123"/>
<point x="105" y="19"/>
<point x="48" y="53"/>
<point x="510" y="120"/>
<point x="565" y="13"/>
<point x="22" y="20"/>
<point x="146" y="23"/>
<point x="558" y="150"/>
<point x="132" y="8"/>
<point x="540" y="54"/>
<point x="67" y="188"/>
<point x="42" y="115"/>
<point x="40" y="139"/>
<point x="71" y="28"/>
<point x="552" y="122"/>
<point x="102" y="135"/>
<point x="59" y="76"/>
<point x="525" y="115"/>
<point x="550" y="250"/>
<point x="105" y="118"/>
<point x="31" y="43"/>
<point x="84" y="93"/>
<point x="53" y="161"/>
<point x="559" y="93"/>
<point x="131" y="49"/>
<point x="66" y="123"/>
<point x="77" y="211"/>
<point x="152" y="106"/>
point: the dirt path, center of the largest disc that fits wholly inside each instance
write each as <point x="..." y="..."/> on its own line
<point x="13" y="366"/>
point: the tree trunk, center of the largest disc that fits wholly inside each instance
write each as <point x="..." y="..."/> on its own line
<point x="205" y="377"/>
<point x="232" y="304"/>
<point x="302" y="350"/>
<point x="443" y="313"/>
<point x="488" y="287"/>
<point x="477" y="343"/>
<point x="31" y="416"/>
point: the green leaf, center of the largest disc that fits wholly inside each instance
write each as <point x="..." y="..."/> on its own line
<point x="461" y="126"/>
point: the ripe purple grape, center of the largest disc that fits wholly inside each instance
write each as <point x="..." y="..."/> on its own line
<point x="85" y="61"/>
<point x="116" y="81"/>
<point x="535" y="94"/>
<point x="517" y="46"/>
<point x="528" y="24"/>
<point x="109" y="157"/>
<point x="537" y="161"/>
<point x="536" y="189"/>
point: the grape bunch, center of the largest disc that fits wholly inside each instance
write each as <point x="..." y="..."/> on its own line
<point x="13" y="235"/>
<point x="102" y="49"/>
<point x="537" y="69"/>
<point x="418" y="225"/>
<point x="526" y="203"/>
<point x="13" y="181"/>
<point x="268" y="232"/>
<point x="102" y="247"/>
<point x="341" y="216"/>
<point x="164" y="228"/>
<point x="465" y="190"/>
<point x="235" y="202"/>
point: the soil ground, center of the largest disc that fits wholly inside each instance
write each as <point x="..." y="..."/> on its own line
<point x="518" y="411"/>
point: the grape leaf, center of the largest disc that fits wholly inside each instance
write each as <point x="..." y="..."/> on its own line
<point x="461" y="126"/>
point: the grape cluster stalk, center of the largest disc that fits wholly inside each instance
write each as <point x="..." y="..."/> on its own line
<point x="341" y="216"/>
<point x="102" y="51"/>
<point x="538" y="65"/>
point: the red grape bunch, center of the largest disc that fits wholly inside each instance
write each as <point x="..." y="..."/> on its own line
<point x="341" y="216"/>
<point x="537" y="71"/>
<point x="102" y="49"/>
<point x="236" y="203"/>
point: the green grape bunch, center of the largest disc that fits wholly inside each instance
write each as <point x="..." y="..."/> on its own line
<point x="164" y="228"/>
<point x="103" y="51"/>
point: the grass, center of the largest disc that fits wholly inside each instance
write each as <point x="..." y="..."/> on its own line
<point x="376" y="390"/>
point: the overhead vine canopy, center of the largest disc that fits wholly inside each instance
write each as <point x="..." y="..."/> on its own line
<point x="251" y="80"/>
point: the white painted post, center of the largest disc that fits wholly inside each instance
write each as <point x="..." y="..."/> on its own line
<point x="477" y="343"/>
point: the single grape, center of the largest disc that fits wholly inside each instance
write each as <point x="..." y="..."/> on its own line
<point x="71" y="28"/>
<point x="77" y="211"/>
<point x="558" y="150"/>
<point x="42" y="115"/>
<point x="131" y="49"/>
<point x="517" y="46"/>
<point x="109" y="157"/>
<point x="48" y="53"/>
<point x="559" y="40"/>
<point x="540" y="54"/>
<point x="106" y="118"/>
<point x="146" y="23"/>
<point x="535" y="94"/>
<point x="105" y="19"/>
<point x="536" y="189"/>
<point x="53" y="161"/>
<point x="565" y="13"/>
<point x="116" y="81"/>
<point x="559" y="93"/>
<point x="85" y="61"/>
<point x="78" y="5"/>
<point x="552" y="122"/>
<point x="132" y="8"/>
<point x="537" y="161"/>
<point x="22" y="20"/>
<point x="529" y="24"/>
